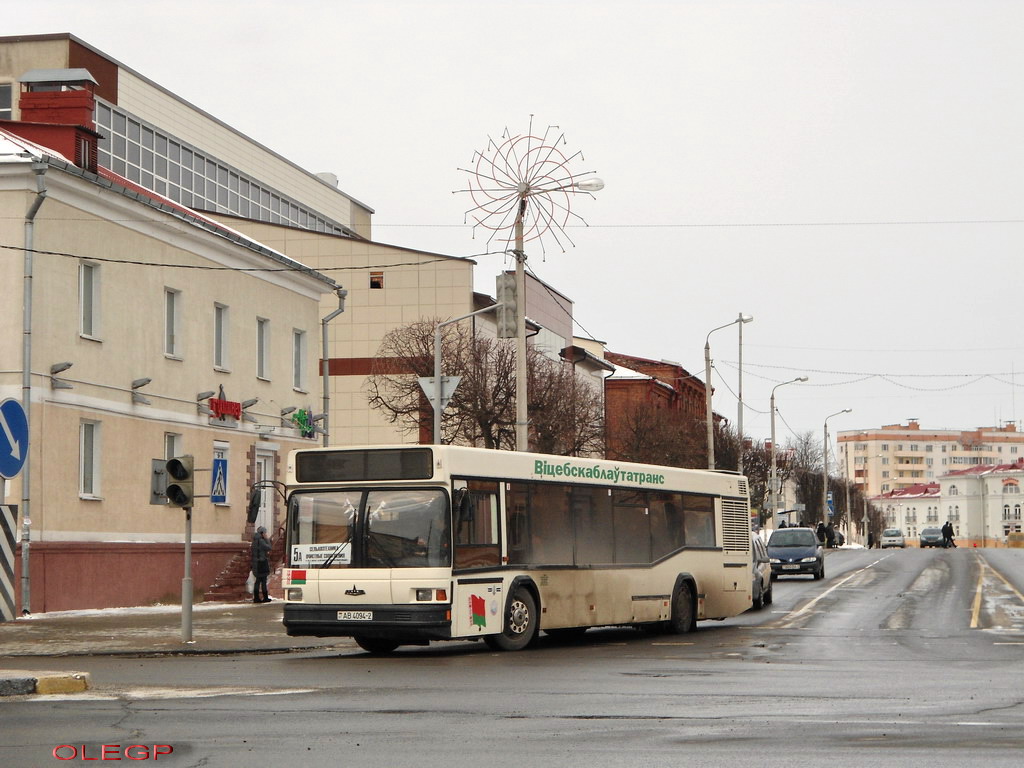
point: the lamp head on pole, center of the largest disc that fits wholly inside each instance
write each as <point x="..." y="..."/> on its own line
<point x="593" y="184"/>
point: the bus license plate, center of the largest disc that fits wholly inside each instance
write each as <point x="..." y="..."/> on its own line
<point x="791" y="567"/>
<point x="355" y="615"/>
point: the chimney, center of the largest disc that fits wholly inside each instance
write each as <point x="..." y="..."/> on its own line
<point x="57" y="108"/>
<point x="58" y="97"/>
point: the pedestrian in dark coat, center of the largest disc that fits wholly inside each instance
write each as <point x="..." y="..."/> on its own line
<point x="830" y="536"/>
<point x="260" y="564"/>
<point x="947" y="535"/>
<point x="821" y="532"/>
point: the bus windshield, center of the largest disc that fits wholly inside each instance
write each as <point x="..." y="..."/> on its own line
<point x="366" y="528"/>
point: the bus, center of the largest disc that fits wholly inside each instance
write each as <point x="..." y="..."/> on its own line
<point x="399" y="545"/>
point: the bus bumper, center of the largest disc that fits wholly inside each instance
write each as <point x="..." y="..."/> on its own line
<point x="407" y="622"/>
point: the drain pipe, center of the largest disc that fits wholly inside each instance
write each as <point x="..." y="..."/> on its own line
<point x="26" y="382"/>
<point x="325" y="360"/>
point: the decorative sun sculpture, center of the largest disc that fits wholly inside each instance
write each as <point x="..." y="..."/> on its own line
<point x="522" y="188"/>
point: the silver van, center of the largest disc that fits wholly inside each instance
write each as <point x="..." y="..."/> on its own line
<point x="893" y="537"/>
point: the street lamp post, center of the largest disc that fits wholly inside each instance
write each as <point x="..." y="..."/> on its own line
<point x="824" y="486"/>
<point x="707" y="389"/>
<point x="773" y="492"/>
<point x="525" y="191"/>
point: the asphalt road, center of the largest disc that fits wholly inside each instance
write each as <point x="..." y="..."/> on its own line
<point x="898" y="658"/>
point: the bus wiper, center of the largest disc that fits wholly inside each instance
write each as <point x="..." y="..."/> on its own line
<point x="333" y="556"/>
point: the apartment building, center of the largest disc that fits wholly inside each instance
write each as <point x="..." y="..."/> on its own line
<point x="899" y="456"/>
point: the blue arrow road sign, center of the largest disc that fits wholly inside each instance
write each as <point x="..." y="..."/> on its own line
<point x="219" y="484"/>
<point x="13" y="438"/>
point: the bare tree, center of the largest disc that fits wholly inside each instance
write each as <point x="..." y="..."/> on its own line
<point x="651" y="435"/>
<point x="566" y="417"/>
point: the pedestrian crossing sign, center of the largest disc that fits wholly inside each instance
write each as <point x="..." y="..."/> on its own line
<point x="219" y="485"/>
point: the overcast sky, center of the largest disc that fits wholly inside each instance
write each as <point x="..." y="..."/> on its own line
<point x="849" y="173"/>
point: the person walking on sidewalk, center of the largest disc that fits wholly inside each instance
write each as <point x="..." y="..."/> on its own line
<point x="260" y="564"/>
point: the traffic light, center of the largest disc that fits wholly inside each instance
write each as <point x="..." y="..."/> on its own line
<point x="180" y="479"/>
<point x="505" y="293"/>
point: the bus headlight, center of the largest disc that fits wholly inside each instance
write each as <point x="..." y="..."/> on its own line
<point x="293" y="593"/>
<point x="424" y="595"/>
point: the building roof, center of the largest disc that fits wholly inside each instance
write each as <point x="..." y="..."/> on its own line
<point x="15" y="149"/>
<point x="917" y="491"/>
<point x="987" y="469"/>
<point x="78" y="75"/>
<point x="575" y="354"/>
<point x="121" y="66"/>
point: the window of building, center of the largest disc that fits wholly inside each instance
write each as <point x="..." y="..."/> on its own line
<point x="172" y="323"/>
<point x="89" y="299"/>
<point x="172" y="445"/>
<point x="89" y="459"/>
<point x="928" y="448"/>
<point x="1013" y="449"/>
<point x="885" y="447"/>
<point x="885" y="474"/>
<point x="6" y="112"/>
<point x="376" y="280"/>
<point x="953" y="490"/>
<point x="299" y="359"/>
<point x="221" y="334"/>
<point x="885" y="461"/>
<point x="262" y="348"/>
<point x="144" y="154"/>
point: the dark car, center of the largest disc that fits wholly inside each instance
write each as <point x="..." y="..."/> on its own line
<point x="932" y="537"/>
<point x="794" y="551"/>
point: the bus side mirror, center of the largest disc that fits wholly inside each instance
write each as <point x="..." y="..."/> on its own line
<point x="255" y="500"/>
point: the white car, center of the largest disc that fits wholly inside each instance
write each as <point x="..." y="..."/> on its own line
<point x="892" y="537"/>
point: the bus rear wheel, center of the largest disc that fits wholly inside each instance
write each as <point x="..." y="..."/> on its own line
<point x="682" y="620"/>
<point x="520" y="624"/>
<point x="376" y="644"/>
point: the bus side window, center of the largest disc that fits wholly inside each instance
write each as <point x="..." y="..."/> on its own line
<point x="476" y="525"/>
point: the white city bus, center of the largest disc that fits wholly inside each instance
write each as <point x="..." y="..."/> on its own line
<point x="407" y="544"/>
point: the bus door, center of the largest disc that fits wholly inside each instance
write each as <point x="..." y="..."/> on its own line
<point x="479" y="591"/>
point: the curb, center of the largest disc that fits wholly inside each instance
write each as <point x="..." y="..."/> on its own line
<point x="140" y="653"/>
<point x="21" y="682"/>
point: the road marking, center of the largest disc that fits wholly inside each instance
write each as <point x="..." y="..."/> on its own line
<point x="138" y="694"/>
<point x="976" y="607"/>
<point x="983" y="566"/>
<point x="797" y="614"/>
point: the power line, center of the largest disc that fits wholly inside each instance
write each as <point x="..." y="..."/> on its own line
<point x="207" y="268"/>
<point x="740" y="225"/>
<point x="889" y="377"/>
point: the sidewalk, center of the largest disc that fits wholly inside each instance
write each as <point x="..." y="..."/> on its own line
<point x="217" y="628"/>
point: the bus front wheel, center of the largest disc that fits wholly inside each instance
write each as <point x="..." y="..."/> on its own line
<point x="520" y="624"/>
<point x="682" y="620"/>
<point x="376" y="644"/>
